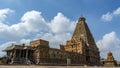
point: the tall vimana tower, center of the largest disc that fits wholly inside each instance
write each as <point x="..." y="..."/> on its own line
<point x="83" y="42"/>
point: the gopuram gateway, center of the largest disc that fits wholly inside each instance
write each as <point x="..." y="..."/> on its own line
<point x="80" y="50"/>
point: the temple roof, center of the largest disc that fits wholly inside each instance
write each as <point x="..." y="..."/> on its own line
<point x="21" y="47"/>
<point x="110" y="54"/>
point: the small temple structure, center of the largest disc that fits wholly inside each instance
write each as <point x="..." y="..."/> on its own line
<point x="110" y="61"/>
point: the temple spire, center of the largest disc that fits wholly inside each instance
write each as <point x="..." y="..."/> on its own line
<point x="82" y="32"/>
<point x="81" y="18"/>
<point x="83" y="42"/>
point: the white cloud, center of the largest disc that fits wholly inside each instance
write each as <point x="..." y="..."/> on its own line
<point x="55" y="39"/>
<point x="117" y="11"/>
<point x="4" y="12"/>
<point x="33" y="25"/>
<point x="60" y="27"/>
<point x="31" y="21"/>
<point x="109" y="42"/>
<point x="61" y="24"/>
<point x="109" y="15"/>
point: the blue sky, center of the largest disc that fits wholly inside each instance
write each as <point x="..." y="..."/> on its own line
<point x="24" y="20"/>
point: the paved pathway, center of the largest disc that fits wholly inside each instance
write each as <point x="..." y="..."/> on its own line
<point x="33" y="66"/>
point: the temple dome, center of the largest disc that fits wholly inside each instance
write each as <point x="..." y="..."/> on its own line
<point x="109" y="53"/>
<point x="110" y="56"/>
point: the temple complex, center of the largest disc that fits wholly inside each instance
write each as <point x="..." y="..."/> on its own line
<point x="80" y="50"/>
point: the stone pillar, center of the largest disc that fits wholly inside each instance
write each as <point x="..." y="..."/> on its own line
<point x="14" y="53"/>
<point x="26" y="54"/>
<point x="20" y="54"/>
<point x="14" y="56"/>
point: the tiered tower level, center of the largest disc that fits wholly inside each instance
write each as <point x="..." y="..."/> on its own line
<point x="83" y="42"/>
